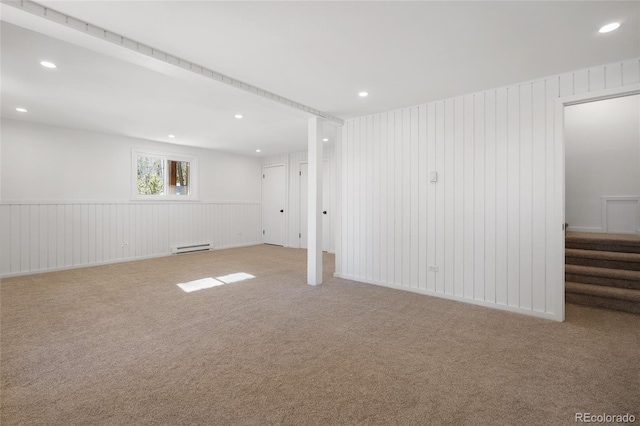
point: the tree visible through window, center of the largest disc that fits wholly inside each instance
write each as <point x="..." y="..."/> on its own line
<point x="150" y="176"/>
<point x="163" y="176"/>
<point x="178" y="177"/>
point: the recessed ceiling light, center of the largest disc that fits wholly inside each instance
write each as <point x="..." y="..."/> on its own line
<point x="363" y="94"/>
<point x="48" y="64"/>
<point x="171" y="136"/>
<point x="21" y="110"/>
<point x="257" y="150"/>
<point x="238" y="116"/>
<point x="610" y="27"/>
<point x="325" y="140"/>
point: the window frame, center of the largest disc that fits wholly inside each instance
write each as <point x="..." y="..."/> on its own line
<point x="165" y="156"/>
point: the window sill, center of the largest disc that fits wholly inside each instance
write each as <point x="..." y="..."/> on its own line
<point x="170" y="199"/>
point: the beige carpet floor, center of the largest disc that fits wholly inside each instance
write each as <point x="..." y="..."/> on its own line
<point x="123" y="345"/>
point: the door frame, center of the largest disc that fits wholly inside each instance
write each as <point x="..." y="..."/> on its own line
<point x="557" y="265"/>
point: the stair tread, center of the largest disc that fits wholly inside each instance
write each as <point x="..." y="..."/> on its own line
<point x="603" y="255"/>
<point x="603" y="291"/>
<point x="622" y="274"/>
<point x="599" y="238"/>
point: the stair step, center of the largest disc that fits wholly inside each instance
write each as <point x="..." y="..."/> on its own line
<point x="603" y="242"/>
<point x="620" y="299"/>
<point x="603" y="259"/>
<point x="603" y="276"/>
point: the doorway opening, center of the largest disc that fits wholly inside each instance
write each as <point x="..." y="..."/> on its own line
<point x="600" y="251"/>
<point x="602" y="165"/>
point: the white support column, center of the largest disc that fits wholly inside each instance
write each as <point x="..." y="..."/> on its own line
<point x="314" y="241"/>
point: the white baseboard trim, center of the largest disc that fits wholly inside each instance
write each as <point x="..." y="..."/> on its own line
<point x="513" y="309"/>
<point x="584" y="229"/>
<point x="110" y="262"/>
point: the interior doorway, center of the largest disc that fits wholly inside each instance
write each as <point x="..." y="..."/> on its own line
<point x="583" y="261"/>
<point x="602" y="165"/>
<point x="273" y="204"/>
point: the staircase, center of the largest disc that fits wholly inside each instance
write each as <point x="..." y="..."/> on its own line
<point x="603" y="270"/>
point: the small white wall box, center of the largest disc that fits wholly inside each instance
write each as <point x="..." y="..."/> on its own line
<point x="433" y="176"/>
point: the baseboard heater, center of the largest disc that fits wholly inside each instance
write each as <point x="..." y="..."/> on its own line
<point x="191" y="248"/>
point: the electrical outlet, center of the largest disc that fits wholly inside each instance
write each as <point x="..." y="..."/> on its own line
<point x="433" y="268"/>
<point x="125" y="245"/>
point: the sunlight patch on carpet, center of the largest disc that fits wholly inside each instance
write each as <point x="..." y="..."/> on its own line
<point x="203" y="283"/>
<point x="200" y="284"/>
<point x="234" y="278"/>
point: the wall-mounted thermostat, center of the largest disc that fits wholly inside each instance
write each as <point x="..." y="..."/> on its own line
<point x="433" y="176"/>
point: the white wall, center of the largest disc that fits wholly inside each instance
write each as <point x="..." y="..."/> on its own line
<point x="490" y="223"/>
<point x="66" y="201"/>
<point x="292" y="167"/>
<point x="602" y="148"/>
<point x="42" y="162"/>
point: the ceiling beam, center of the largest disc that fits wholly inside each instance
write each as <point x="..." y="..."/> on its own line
<point x="127" y="43"/>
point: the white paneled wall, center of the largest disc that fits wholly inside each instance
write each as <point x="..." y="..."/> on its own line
<point x="487" y="223"/>
<point x="42" y="237"/>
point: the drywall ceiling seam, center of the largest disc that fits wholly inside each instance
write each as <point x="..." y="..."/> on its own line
<point x="101" y="33"/>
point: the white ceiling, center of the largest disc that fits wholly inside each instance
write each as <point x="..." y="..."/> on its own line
<point x="317" y="53"/>
<point x="92" y="91"/>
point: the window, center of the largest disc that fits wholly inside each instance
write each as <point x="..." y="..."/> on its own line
<point x="163" y="176"/>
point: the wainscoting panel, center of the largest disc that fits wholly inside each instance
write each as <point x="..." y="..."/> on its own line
<point x="484" y="232"/>
<point x="620" y="214"/>
<point x="42" y="237"/>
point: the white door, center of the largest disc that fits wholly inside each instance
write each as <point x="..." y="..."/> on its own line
<point x="273" y="204"/>
<point x="304" y="200"/>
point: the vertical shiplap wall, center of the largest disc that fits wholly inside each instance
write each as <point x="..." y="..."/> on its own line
<point x="44" y="237"/>
<point x="487" y="223"/>
<point x="292" y="164"/>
